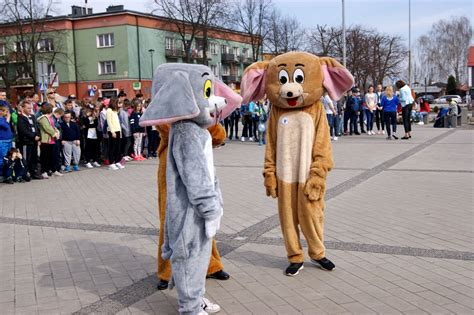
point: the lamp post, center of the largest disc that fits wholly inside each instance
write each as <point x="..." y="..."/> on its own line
<point x="343" y="35"/>
<point x="151" y="51"/>
<point x="409" y="42"/>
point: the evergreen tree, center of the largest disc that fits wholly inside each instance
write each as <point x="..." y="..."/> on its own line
<point x="452" y="85"/>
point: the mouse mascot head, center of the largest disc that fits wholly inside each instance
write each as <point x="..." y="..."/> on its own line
<point x="298" y="155"/>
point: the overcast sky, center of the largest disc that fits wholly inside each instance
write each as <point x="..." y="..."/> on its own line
<point x="389" y="16"/>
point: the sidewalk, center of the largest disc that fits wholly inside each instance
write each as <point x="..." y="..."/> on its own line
<point x="398" y="225"/>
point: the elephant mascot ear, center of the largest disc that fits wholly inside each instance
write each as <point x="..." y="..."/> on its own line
<point x="173" y="101"/>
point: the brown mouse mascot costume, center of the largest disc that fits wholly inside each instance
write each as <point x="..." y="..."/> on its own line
<point x="298" y="154"/>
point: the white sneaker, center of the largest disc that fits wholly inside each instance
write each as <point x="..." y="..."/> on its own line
<point x="95" y="164"/>
<point x="242" y="139"/>
<point x="209" y="307"/>
<point x="45" y="175"/>
<point x="421" y="123"/>
<point x="89" y="165"/>
<point x="251" y="139"/>
<point x="336" y="138"/>
<point x="113" y="167"/>
<point x="383" y="132"/>
<point x="202" y="312"/>
<point x="120" y="166"/>
<point x="57" y="174"/>
<point x="127" y="158"/>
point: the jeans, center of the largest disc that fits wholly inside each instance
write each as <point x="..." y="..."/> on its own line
<point x="361" y="119"/>
<point x="390" y="119"/>
<point x="5" y="146"/>
<point x="353" y="123"/>
<point x="125" y="145"/>
<point x="379" y="119"/>
<point x="347" y="117"/>
<point x="370" y="119"/>
<point x="330" y="118"/>
<point x="406" y="111"/>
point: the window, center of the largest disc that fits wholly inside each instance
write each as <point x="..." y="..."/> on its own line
<point x="235" y="51"/>
<point x="105" y="40"/>
<point x="21" y="46"/>
<point x="225" y="70"/>
<point x="213" y="48"/>
<point x="2" y="49"/>
<point x="107" y="67"/>
<point x="45" y="45"/>
<point x="169" y="42"/>
<point x="22" y="73"/>
<point x="51" y="69"/>
<point x="246" y="52"/>
<point x="224" y="49"/>
<point x="214" y="70"/>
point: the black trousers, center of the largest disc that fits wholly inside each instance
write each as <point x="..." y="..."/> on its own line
<point x="92" y="150"/>
<point x="57" y="156"/>
<point x="390" y="119"/>
<point x="406" y="114"/>
<point x="114" y="148"/>
<point x="353" y="123"/>
<point x="379" y="119"/>
<point x="247" y="131"/>
<point x="30" y="155"/>
<point x="361" y="119"/>
<point x="153" y="141"/>
<point x="347" y="116"/>
<point x="46" y="158"/>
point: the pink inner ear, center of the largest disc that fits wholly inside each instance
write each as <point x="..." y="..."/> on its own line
<point x="252" y="86"/>
<point x="233" y="99"/>
<point x="337" y="80"/>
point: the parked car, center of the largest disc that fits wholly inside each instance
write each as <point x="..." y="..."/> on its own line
<point x="430" y="98"/>
<point x="444" y="99"/>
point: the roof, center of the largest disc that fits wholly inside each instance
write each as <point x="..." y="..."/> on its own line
<point x="470" y="57"/>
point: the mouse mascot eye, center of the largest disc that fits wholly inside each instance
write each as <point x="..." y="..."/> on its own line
<point x="283" y="77"/>
<point x="207" y="89"/>
<point x="298" y="76"/>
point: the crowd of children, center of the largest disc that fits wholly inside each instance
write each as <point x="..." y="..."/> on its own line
<point x="43" y="139"/>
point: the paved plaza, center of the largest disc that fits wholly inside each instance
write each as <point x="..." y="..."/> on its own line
<point x="399" y="227"/>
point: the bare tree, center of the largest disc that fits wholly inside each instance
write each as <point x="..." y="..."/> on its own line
<point x="371" y="56"/>
<point x="186" y="17"/>
<point x="28" y="40"/>
<point x="213" y="13"/>
<point x="250" y="17"/>
<point x="443" y="50"/>
<point x="283" y="33"/>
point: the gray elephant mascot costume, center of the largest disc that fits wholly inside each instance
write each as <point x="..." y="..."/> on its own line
<point x="185" y="96"/>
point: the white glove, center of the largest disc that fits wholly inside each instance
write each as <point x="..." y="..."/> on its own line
<point x="212" y="227"/>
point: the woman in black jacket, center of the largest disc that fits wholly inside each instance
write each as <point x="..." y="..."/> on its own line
<point x="89" y="123"/>
<point x="28" y="137"/>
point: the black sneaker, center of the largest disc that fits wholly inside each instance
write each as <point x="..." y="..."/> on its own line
<point x="395" y="137"/>
<point x="293" y="269"/>
<point x="162" y="285"/>
<point x="219" y="275"/>
<point x="20" y="180"/>
<point x="324" y="263"/>
<point x="27" y="178"/>
<point x="8" y="180"/>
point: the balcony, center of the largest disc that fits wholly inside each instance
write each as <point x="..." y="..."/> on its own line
<point x="227" y="58"/>
<point x="246" y="60"/>
<point x="233" y="78"/>
<point x="174" y="53"/>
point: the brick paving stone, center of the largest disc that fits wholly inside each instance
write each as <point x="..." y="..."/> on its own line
<point x="72" y="257"/>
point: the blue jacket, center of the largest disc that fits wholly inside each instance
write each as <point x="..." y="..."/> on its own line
<point x="71" y="132"/>
<point x="353" y="104"/>
<point x="390" y="105"/>
<point x="5" y="130"/>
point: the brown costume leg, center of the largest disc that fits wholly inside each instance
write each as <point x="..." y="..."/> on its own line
<point x="311" y="218"/>
<point x="288" y="212"/>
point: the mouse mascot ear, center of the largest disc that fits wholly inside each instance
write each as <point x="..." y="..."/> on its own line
<point x="233" y="100"/>
<point x="174" y="100"/>
<point x="337" y="79"/>
<point x="253" y="82"/>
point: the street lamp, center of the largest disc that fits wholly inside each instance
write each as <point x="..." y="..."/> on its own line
<point x="151" y="51"/>
<point x="343" y="35"/>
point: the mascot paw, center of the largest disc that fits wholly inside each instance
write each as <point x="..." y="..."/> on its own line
<point x="271" y="186"/>
<point x="212" y="227"/>
<point x="314" y="188"/>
